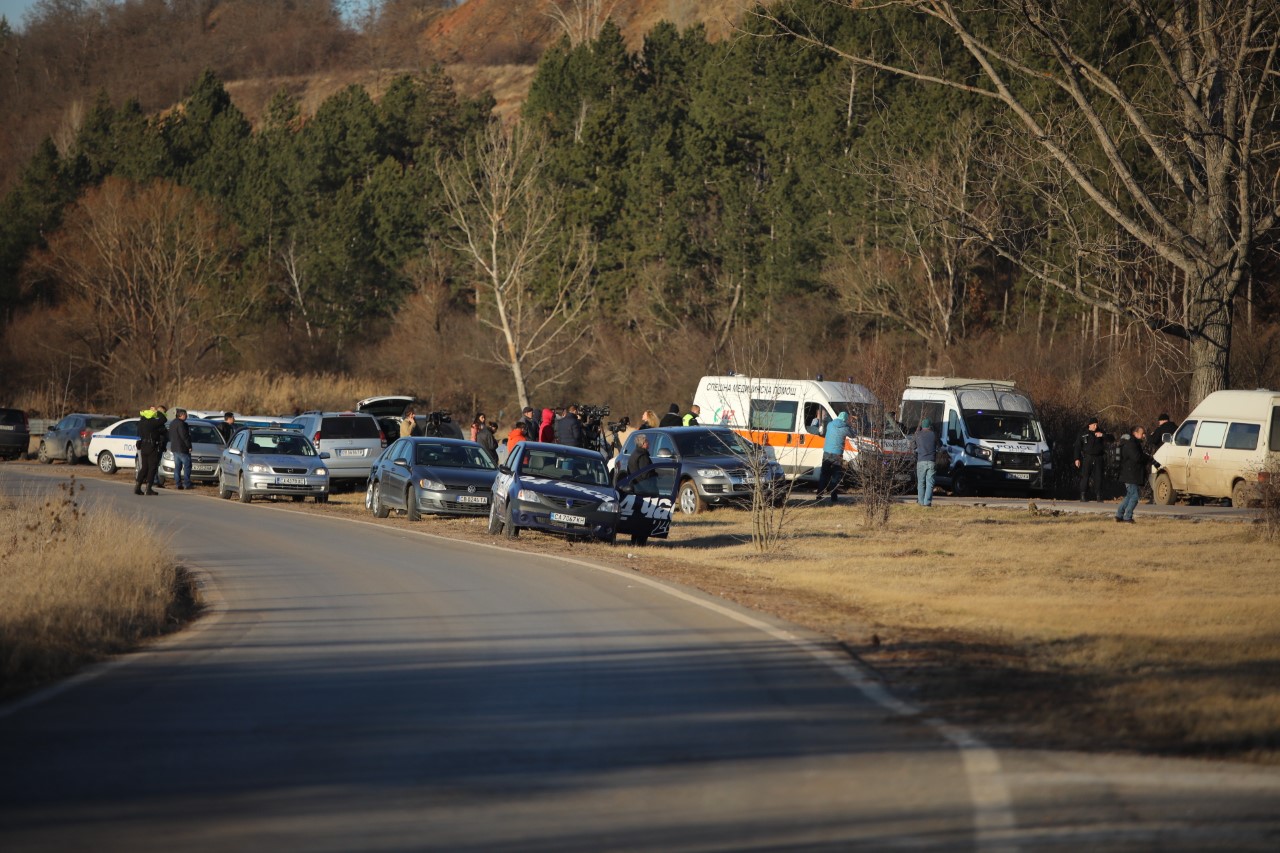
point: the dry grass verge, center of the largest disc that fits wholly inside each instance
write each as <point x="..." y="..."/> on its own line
<point x="78" y="584"/>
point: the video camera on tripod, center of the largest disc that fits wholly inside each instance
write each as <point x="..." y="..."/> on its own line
<point x="592" y="418"/>
<point x="435" y="423"/>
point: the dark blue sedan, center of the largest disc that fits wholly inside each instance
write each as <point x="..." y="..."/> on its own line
<point x="556" y="489"/>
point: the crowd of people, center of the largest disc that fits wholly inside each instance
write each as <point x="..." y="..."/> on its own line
<point x="565" y="426"/>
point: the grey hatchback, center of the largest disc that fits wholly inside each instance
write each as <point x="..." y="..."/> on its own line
<point x="717" y="466"/>
<point x="68" y="439"/>
<point x="436" y="475"/>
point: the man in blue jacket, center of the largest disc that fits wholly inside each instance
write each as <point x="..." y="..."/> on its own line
<point x="833" y="457"/>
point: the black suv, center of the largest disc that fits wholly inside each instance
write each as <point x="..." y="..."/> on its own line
<point x="15" y="433"/>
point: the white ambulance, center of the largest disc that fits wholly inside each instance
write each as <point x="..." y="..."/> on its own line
<point x="788" y="417"/>
<point x="1227" y="446"/>
<point x="988" y="428"/>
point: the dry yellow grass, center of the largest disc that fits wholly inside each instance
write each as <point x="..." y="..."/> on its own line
<point x="78" y="584"/>
<point x="263" y="393"/>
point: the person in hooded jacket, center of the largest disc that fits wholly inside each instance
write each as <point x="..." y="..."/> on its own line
<point x="547" y="428"/>
<point x="672" y="417"/>
<point x="833" y="457"/>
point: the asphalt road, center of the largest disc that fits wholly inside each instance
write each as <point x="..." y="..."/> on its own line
<point x="359" y="687"/>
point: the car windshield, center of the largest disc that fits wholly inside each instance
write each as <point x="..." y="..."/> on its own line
<point x="711" y="443"/>
<point x="572" y="469"/>
<point x="283" y="445"/>
<point x="452" y="456"/>
<point x="1001" y="426"/>
<point x="204" y="434"/>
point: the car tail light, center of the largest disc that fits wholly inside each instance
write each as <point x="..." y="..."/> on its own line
<point x="84" y="433"/>
<point x="382" y="434"/>
<point x="315" y="439"/>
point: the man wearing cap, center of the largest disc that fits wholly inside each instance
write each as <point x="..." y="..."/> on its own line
<point x="926" y="457"/>
<point x="1156" y="435"/>
<point x="1088" y="458"/>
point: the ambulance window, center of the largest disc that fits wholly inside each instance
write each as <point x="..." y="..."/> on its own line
<point x="1243" y="437"/>
<point x="1211" y="433"/>
<point x="815" y="417"/>
<point x="777" y="415"/>
<point x="1182" y="438"/>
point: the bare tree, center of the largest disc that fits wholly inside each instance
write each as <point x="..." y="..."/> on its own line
<point x="1170" y="138"/>
<point x="148" y="272"/>
<point x="581" y="20"/>
<point x="533" y="282"/>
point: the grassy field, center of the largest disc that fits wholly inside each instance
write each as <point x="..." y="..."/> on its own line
<point x="79" y="584"/>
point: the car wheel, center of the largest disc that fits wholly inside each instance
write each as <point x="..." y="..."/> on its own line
<point x="43" y="455"/>
<point x="1240" y="494"/>
<point x="639" y="538"/>
<point x="689" y="501"/>
<point x="107" y="462"/>
<point x="72" y="457"/>
<point x="495" y="520"/>
<point x="223" y="491"/>
<point x="961" y="487"/>
<point x="411" y="511"/>
<point x="509" y="523"/>
<point x="1163" y="491"/>
<point x="380" y="510"/>
<point x="244" y="495"/>
<point x="298" y="498"/>
<point x="322" y="499"/>
<point x="368" y="496"/>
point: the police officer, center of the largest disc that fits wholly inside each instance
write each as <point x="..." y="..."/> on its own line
<point x="1088" y="458"/>
<point x="151" y="432"/>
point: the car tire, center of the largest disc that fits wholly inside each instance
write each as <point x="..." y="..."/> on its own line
<point x="1163" y="493"/>
<point x="242" y="491"/>
<point x="961" y="486"/>
<point x="377" y="507"/>
<point x="43" y="455"/>
<point x="411" y="510"/>
<point x="322" y="499"/>
<point x="639" y="538"/>
<point x="72" y="458"/>
<point x="223" y="491"/>
<point x="495" y="520"/>
<point x="298" y="498"/>
<point x="688" y="499"/>
<point x="1240" y="494"/>
<point x="107" y="462"/>
<point x="509" y="528"/>
<point x="368" y="497"/>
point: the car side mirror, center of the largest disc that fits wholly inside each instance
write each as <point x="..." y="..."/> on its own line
<point x="1167" y="438"/>
<point x="403" y="463"/>
<point x="324" y="454"/>
<point x="233" y="451"/>
<point x="664" y="453"/>
<point x="504" y="469"/>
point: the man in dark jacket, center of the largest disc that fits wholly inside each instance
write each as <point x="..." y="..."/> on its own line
<point x="672" y="417"/>
<point x="180" y="447"/>
<point x="646" y="484"/>
<point x="227" y="427"/>
<point x="151" y="430"/>
<point x="1134" y="462"/>
<point x="1088" y="458"/>
<point x="162" y="445"/>
<point x="1163" y="427"/>
<point x="569" y="429"/>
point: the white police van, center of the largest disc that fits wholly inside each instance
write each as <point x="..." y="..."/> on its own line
<point x="988" y="429"/>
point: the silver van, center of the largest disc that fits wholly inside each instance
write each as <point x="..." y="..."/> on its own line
<point x="353" y="440"/>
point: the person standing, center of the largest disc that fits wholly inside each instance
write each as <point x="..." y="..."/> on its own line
<point x="180" y="447"/>
<point x="529" y="423"/>
<point x="926" y="459"/>
<point x="163" y="443"/>
<point x="568" y="430"/>
<point x="485" y="436"/>
<point x="516" y="436"/>
<point x="150" y="438"/>
<point x="409" y="424"/>
<point x="1134" y="463"/>
<point x="691" y="419"/>
<point x="648" y="419"/>
<point x="672" y="417"/>
<point x="547" y="429"/>
<point x="1164" y="427"/>
<point x="1088" y="458"/>
<point x="644" y="484"/>
<point x="227" y="428"/>
<point x="833" y="457"/>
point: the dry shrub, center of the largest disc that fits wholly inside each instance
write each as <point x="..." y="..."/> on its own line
<point x="78" y="584"/>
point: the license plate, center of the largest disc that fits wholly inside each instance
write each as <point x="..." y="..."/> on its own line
<point x="568" y="519"/>
<point x="355" y="451"/>
<point x="473" y="499"/>
<point x="6" y="427"/>
<point x="201" y="467"/>
<point x="292" y="481"/>
<point x="1019" y="476"/>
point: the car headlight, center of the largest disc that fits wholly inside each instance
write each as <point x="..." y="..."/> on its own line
<point x="321" y="472"/>
<point x="711" y="472"/>
<point x="608" y="505"/>
<point x="168" y="454"/>
<point x="258" y="468"/>
<point x="430" y="485"/>
<point x="529" y="496"/>
<point x="977" y="452"/>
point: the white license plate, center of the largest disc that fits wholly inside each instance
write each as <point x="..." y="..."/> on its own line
<point x="568" y="519"/>
<point x="201" y="467"/>
<point x="292" y="481"/>
<point x="355" y="451"/>
<point x="1019" y="476"/>
<point x="6" y="427"/>
<point x="473" y="499"/>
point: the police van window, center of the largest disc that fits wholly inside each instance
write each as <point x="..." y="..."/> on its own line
<point x="914" y="411"/>
<point x="954" y="434"/>
<point x="778" y="415"/>
<point x="1243" y="436"/>
<point x="1182" y="438"/>
<point x="1211" y="433"/>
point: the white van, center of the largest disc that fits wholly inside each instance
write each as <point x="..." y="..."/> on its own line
<point x="989" y="429"/>
<point x="1225" y="447"/>
<point x="788" y="417"/>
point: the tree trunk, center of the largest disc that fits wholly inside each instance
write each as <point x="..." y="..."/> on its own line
<point x="1210" y="332"/>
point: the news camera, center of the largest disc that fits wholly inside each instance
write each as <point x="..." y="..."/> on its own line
<point x="435" y="423"/>
<point x="592" y="418"/>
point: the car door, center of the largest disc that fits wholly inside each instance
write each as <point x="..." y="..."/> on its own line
<point x="647" y="498"/>
<point x="1206" y="449"/>
<point x="396" y="471"/>
<point x="233" y="459"/>
<point x="1178" y="457"/>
